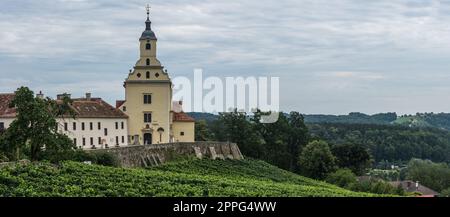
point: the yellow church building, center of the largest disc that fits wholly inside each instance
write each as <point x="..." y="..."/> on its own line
<point x="153" y="117"/>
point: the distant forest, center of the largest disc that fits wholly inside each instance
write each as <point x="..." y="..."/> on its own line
<point x="388" y="143"/>
<point x="387" y="136"/>
<point x="419" y="120"/>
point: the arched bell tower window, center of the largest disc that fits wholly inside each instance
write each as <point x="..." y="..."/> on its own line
<point x="148" y="46"/>
<point x="148" y="62"/>
<point x="147" y="75"/>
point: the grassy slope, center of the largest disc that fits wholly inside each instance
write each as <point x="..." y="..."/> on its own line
<point x="190" y="178"/>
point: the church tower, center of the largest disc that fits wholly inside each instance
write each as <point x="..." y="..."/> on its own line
<point x="148" y="92"/>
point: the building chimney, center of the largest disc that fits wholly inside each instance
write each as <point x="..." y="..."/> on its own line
<point x="61" y="96"/>
<point x="40" y="95"/>
<point x="88" y="96"/>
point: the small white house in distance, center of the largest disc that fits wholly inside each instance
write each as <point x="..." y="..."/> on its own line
<point x="97" y="124"/>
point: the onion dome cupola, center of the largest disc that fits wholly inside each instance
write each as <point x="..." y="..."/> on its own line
<point x="148" y="34"/>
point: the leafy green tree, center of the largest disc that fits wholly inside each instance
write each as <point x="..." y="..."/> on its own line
<point x="316" y="160"/>
<point x="354" y="157"/>
<point x="35" y="127"/>
<point x="202" y="132"/>
<point x="297" y="137"/>
<point x="59" y="148"/>
<point x="278" y="143"/>
<point x="235" y="127"/>
<point x="275" y="138"/>
<point x="343" y="178"/>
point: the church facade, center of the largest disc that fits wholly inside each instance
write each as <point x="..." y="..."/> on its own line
<point x="146" y="116"/>
<point x="153" y="117"/>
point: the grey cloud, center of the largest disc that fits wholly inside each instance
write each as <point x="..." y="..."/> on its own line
<point x="75" y="41"/>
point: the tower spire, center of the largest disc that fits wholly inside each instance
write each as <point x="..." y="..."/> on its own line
<point x="148" y="34"/>
<point x="148" y="23"/>
<point x="148" y="11"/>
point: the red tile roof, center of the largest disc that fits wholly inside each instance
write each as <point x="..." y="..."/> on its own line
<point x="182" y="117"/>
<point x="84" y="108"/>
<point x="5" y="110"/>
<point x="95" y="108"/>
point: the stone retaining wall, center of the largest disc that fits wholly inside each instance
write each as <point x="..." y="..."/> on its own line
<point x="156" y="154"/>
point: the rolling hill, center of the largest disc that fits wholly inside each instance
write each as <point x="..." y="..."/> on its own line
<point x="188" y="178"/>
<point x="440" y="120"/>
<point x="352" y="118"/>
<point x="419" y="120"/>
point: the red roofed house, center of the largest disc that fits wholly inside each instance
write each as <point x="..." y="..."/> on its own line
<point x="182" y="125"/>
<point x="410" y="186"/>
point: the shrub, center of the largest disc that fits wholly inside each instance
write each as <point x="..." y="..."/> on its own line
<point x="81" y="156"/>
<point x="377" y="187"/>
<point x="106" y="159"/>
<point x="101" y="158"/>
<point x="382" y="187"/>
<point x="342" y="178"/>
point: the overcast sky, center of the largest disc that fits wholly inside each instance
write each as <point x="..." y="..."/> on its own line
<point x="332" y="57"/>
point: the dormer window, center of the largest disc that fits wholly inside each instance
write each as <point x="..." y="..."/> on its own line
<point x="148" y="46"/>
